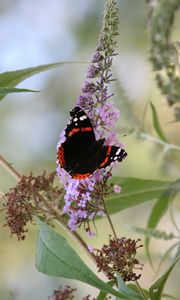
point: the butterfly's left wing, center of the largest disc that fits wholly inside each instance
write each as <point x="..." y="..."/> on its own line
<point x="80" y="137"/>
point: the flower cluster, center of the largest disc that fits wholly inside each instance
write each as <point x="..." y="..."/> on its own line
<point x="94" y="100"/>
<point x="119" y="256"/>
<point x="25" y="200"/>
<point x="65" y="293"/>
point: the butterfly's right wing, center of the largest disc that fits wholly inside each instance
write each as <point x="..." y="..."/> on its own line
<point x="110" y="154"/>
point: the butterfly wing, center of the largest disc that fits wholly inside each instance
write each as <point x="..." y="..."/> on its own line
<point x="110" y="154"/>
<point x="81" y="154"/>
<point x="101" y="157"/>
<point x="80" y="137"/>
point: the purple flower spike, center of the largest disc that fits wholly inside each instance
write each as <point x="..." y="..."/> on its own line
<point x="93" y="71"/>
<point x="97" y="57"/>
<point x="89" y="87"/>
<point x="84" y="197"/>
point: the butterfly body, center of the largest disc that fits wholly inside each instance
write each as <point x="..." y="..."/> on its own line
<point x="81" y="154"/>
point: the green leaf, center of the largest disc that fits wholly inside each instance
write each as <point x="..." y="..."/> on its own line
<point x="165" y="256"/>
<point x="157" y="288"/>
<point x="6" y="90"/>
<point x="147" y="293"/>
<point x="135" y="288"/>
<point x="13" y="78"/>
<point x="134" y="192"/>
<point x="102" y="295"/>
<point x="157" y="125"/>
<point x="127" y="291"/>
<point x="158" y="211"/>
<point x="55" y="257"/>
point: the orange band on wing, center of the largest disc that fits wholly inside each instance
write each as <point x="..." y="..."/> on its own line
<point x="81" y="176"/>
<point x="86" y="129"/>
<point x="60" y="156"/>
<point x="107" y="157"/>
<point x="74" y="130"/>
<point x="83" y="129"/>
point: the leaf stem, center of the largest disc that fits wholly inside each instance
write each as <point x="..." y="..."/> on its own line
<point x="141" y="290"/>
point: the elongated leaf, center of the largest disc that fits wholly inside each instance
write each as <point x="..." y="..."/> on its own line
<point x="158" y="212"/>
<point x="147" y="293"/>
<point x="127" y="291"/>
<point x="164" y="257"/>
<point x="157" y="288"/>
<point x="134" y="192"/>
<point x="102" y="295"/>
<point x="157" y="125"/>
<point x="13" y="78"/>
<point x="5" y="90"/>
<point x="135" y="288"/>
<point x="55" y="257"/>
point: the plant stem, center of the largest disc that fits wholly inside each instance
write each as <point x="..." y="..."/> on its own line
<point x="109" y="218"/>
<point x="155" y="140"/>
<point x="11" y="170"/>
<point x="141" y="290"/>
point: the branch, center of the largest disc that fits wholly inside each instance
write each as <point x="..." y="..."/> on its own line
<point x="155" y="140"/>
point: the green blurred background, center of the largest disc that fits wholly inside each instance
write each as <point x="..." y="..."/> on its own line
<point x="37" y="32"/>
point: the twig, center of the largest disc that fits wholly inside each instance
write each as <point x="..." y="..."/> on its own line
<point x="155" y="140"/>
<point x="9" y="168"/>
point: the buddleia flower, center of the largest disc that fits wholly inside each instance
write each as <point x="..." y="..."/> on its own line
<point x="84" y="196"/>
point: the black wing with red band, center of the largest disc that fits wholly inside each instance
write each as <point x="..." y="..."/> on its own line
<point x="81" y="154"/>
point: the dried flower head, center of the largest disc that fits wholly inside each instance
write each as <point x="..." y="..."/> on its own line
<point x="119" y="256"/>
<point x="65" y="293"/>
<point x="25" y="200"/>
<point x="88" y="297"/>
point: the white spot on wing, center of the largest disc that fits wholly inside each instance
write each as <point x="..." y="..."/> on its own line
<point x="118" y="151"/>
<point x="83" y="117"/>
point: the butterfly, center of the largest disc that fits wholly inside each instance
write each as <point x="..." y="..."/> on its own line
<point x="81" y="154"/>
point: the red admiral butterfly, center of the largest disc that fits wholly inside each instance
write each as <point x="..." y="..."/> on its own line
<point x="81" y="154"/>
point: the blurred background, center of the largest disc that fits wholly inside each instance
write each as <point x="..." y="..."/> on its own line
<point x="40" y="32"/>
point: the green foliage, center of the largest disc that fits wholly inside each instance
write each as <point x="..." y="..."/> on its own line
<point x="5" y="91"/>
<point x="9" y="80"/>
<point x="55" y="257"/>
<point x="158" y="211"/>
<point x="127" y="291"/>
<point x="134" y="192"/>
<point x="102" y="295"/>
<point x="156" y="124"/>
<point x="163" y="53"/>
<point x="166" y="256"/>
<point x="157" y="288"/>
<point x="155" y="233"/>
